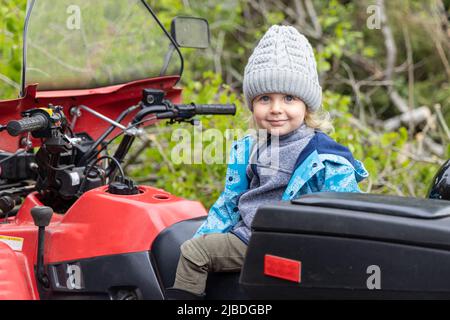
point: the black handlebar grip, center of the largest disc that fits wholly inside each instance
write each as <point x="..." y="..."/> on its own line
<point x="215" y="109"/>
<point x="34" y="123"/>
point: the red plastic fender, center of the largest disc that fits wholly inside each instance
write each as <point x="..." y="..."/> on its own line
<point x="12" y="279"/>
<point x="109" y="101"/>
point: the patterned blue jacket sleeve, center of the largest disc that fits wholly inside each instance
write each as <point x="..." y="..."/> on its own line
<point x="223" y="215"/>
<point x="339" y="177"/>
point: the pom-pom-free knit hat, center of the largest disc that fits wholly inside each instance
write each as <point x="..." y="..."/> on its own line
<point x="283" y="62"/>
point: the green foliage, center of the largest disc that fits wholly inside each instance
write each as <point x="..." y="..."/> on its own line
<point x="214" y="76"/>
<point x="12" y="15"/>
<point x="199" y="181"/>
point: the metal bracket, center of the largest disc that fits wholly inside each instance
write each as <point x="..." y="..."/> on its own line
<point x="76" y="113"/>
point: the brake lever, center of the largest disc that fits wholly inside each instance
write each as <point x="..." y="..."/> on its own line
<point x="178" y="119"/>
<point x="194" y="121"/>
<point x="178" y="116"/>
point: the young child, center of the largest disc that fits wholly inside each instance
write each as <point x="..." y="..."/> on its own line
<point x="282" y="90"/>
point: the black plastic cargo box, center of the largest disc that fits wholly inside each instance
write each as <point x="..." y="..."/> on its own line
<point x="349" y="245"/>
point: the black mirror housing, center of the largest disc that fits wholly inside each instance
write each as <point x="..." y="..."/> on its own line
<point x="190" y="32"/>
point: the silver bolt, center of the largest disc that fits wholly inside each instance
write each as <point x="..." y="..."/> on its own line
<point x="75" y="112"/>
<point x="150" y="99"/>
<point x="26" y="143"/>
<point x="34" y="166"/>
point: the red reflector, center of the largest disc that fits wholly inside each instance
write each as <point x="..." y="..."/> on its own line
<point x="282" y="268"/>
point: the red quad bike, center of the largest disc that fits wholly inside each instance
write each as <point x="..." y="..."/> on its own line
<point x="74" y="227"/>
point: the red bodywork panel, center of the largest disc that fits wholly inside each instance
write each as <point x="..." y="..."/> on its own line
<point x="13" y="275"/>
<point x="109" y="101"/>
<point x="99" y="223"/>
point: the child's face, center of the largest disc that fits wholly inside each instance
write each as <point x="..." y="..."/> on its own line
<point x="278" y="113"/>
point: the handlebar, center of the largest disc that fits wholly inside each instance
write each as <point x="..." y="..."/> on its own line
<point x="34" y="123"/>
<point x="180" y="112"/>
<point x="50" y="122"/>
<point x="208" y="108"/>
<point x="187" y="111"/>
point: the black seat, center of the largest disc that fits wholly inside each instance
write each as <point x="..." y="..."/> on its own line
<point x="166" y="247"/>
<point x="165" y="252"/>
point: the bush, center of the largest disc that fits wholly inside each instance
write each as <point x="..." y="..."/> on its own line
<point x="351" y="61"/>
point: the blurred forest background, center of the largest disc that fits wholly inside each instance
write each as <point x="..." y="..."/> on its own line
<point x="384" y="67"/>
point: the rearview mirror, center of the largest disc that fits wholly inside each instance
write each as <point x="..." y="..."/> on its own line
<point x="190" y="32"/>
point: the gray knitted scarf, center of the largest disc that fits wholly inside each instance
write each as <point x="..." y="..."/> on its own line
<point x="271" y="178"/>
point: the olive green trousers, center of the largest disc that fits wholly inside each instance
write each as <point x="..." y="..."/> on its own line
<point x="216" y="252"/>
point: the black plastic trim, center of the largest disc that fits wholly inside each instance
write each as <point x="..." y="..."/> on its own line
<point x="106" y="277"/>
<point x="381" y="204"/>
<point x="337" y="268"/>
<point x="285" y="217"/>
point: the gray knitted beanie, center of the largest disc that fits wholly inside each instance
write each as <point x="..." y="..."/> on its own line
<point x="283" y="62"/>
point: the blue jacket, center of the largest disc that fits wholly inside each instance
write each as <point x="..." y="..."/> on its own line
<point x="322" y="166"/>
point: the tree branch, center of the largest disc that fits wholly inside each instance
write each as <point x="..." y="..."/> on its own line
<point x="440" y="116"/>
<point x="313" y="16"/>
<point x="9" y="82"/>
<point x="413" y="117"/>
